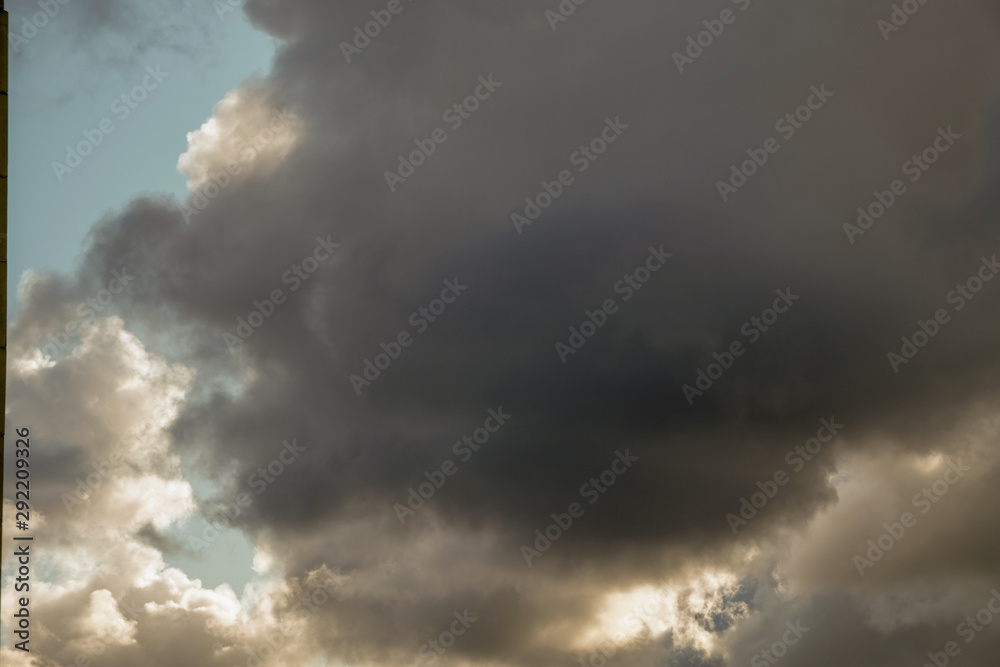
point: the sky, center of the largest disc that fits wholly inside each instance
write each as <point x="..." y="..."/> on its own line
<point x="506" y="334"/>
<point x="208" y="52"/>
<point x="69" y="82"/>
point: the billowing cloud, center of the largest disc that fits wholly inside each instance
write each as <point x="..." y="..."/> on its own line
<point x="480" y="336"/>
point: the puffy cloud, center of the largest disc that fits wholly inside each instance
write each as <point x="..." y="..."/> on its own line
<point x="243" y="133"/>
<point x="658" y="528"/>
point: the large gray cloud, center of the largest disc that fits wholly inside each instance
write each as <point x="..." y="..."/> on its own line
<point x="654" y="186"/>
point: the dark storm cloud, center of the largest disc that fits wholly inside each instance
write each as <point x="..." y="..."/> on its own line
<point x="495" y="345"/>
<point x="655" y="186"/>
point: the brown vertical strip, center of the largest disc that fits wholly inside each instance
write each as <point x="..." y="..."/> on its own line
<point x="3" y="231"/>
